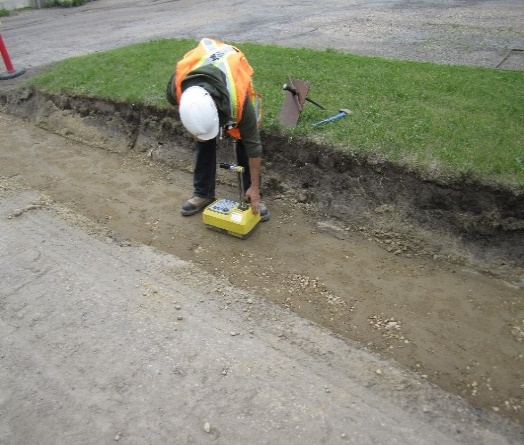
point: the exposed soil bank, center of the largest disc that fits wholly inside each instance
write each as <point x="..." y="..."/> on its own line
<point x="464" y="222"/>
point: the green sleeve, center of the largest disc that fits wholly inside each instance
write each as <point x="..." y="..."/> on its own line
<point x="249" y="133"/>
<point x="170" y="91"/>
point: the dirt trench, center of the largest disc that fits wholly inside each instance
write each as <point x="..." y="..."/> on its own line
<point x="430" y="274"/>
<point x="461" y="221"/>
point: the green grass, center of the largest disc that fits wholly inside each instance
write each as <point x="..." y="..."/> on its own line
<point x="446" y="121"/>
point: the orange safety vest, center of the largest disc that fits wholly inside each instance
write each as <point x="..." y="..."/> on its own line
<point x="232" y="62"/>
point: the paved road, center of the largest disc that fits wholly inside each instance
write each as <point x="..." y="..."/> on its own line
<point x="103" y="341"/>
<point x="474" y="32"/>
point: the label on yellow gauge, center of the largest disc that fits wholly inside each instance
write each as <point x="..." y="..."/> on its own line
<point x="236" y="217"/>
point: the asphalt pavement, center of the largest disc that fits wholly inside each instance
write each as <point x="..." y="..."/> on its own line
<point x="480" y="33"/>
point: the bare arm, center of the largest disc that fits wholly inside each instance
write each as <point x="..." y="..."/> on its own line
<point x="253" y="192"/>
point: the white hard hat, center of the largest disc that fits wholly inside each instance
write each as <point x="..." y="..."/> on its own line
<point x="198" y="113"/>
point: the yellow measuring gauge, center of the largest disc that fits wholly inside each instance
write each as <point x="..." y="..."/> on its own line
<point x="231" y="217"/>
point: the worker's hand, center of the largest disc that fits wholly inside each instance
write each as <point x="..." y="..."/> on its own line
<point x="253" y="197"/>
